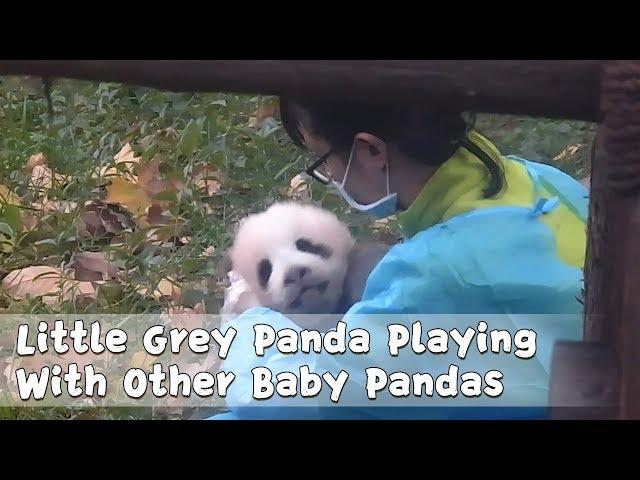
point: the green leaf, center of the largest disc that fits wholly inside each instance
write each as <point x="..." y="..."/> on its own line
<point x="192" y="297"/>
<point x="6" y="229"/>
<point x="241" y="161"/>
<point x="46" y="241"/>
<point x="10" y="215"/>
<point x="212" y="123"/>
<point x="165" y="196"/>
<point x="284" y="170"/>
<point x="190" y="138"/>
<point x="191" y="265"/>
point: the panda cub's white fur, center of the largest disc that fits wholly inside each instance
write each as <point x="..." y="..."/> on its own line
<point x="294" y="257"/>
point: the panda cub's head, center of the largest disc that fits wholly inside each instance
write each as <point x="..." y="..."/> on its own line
<point x="294" y="257"/>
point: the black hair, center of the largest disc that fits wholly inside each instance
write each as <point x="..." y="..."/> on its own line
<point x="431" y="135"/>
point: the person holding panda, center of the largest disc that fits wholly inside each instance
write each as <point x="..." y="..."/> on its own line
<point x="483" y="233"/>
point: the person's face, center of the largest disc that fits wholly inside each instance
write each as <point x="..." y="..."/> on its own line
<point x="367" y="178"/>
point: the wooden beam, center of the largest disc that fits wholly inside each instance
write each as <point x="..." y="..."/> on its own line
<point x="562" y="89"/>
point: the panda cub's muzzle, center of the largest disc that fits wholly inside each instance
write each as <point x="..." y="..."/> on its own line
<point x="320" y="287"/>
<point x="301" y="279"/>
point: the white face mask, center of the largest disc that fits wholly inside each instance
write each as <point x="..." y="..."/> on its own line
<point x="386" y="206"/>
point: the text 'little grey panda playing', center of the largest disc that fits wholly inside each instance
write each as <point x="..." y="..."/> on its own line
<point x="301" y="259"/>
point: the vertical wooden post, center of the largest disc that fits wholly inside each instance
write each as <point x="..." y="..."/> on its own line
<point x="612" y="273"/>
<point x="612" y="284"/>
<point x="598" y="267"/>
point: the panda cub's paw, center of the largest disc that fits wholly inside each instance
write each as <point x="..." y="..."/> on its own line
<point x="363" y="258"/>
<point x="238" y="296"/>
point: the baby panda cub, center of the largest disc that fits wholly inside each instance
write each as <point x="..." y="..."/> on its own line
<point x="297" y="258"/>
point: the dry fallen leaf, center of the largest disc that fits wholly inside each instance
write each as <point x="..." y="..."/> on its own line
<point x="8" y="197"/>
<point x="35" y="160"/>
<point x="165" y="235"/>
<point x="384" y="233"/>
<point x="150" y="178"/>
<point x="142" y="360"/>
<point x="127" y="158"/>
<point x="7" y="340"/>
<point x="208" y="179"/>
<point x="271" y="109"/>
<point x="136" y="194"/>
<point x="167" y="289"/>
<point x="129" y="195"/>
<point x="186" y="317"/>
<point x="98" y="219"/>
<point x="92" y="266"/>
<point x="83" y="359"/>
<point x="46" y="282"/>
<point x="73" y="289"/>
<point x="34" y="363"/>
<point x="45" y="205"/>
<point x="29" y="222"/>
<point x="567" y="152"/>
<point x="34" y="281"/>
<point x="43" y="179"/>
<point x="299" y="188"/>
<point x="198" y="308"/>
<point x="155" y="215"/>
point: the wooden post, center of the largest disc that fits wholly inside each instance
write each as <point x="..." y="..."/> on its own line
<point x="549" y="88"/>
<point x="613" y="282"/>
<point x="612" y="272"/>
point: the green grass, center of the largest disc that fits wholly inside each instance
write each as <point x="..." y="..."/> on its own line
<point x="92" y="122"/>
<point x="542" y="140"/>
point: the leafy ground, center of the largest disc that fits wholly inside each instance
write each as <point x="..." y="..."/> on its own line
<point x="123" y="200"/>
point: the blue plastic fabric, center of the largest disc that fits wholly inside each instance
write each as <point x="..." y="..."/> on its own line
<point x="491" y="261"/>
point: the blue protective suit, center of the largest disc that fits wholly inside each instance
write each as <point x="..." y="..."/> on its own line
<point x="520" y="253"/>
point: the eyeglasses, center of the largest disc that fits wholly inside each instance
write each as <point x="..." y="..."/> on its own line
<point x="318" y="169"/>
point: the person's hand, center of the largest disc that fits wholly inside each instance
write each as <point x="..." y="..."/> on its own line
<point x="238" y="297"/>
<point x="245" y="301"/>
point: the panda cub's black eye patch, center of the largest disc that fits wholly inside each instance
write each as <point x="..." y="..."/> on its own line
<point x="264" y="272"/>
<point x="305" y="245"/>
